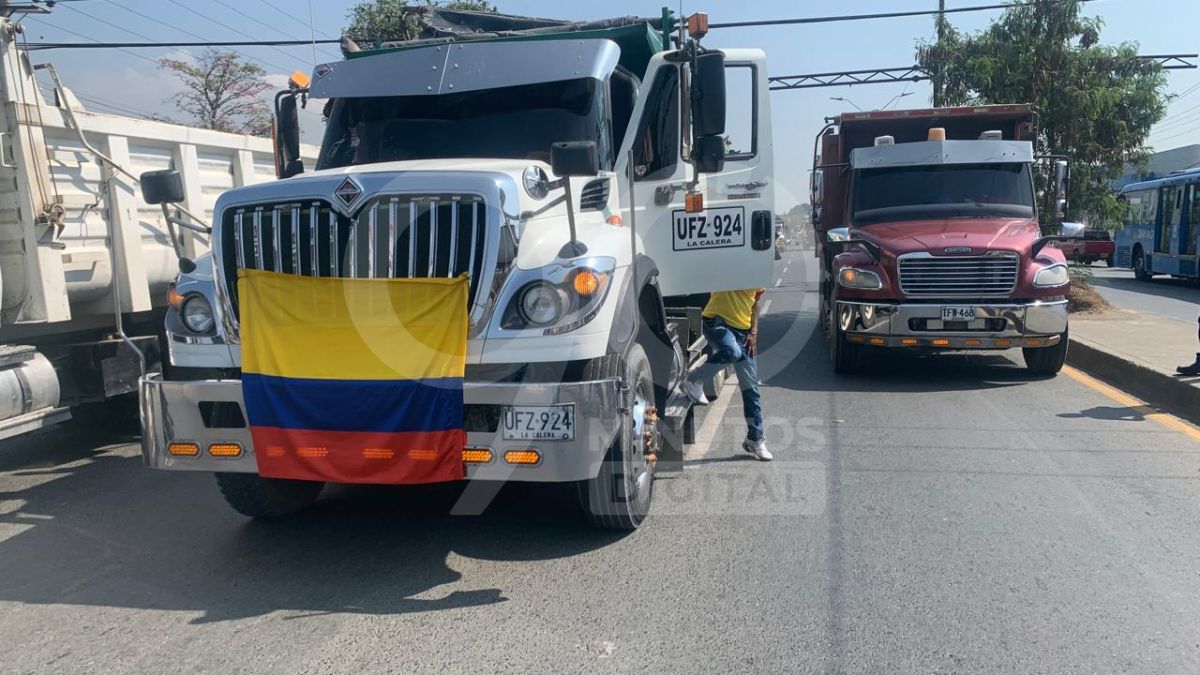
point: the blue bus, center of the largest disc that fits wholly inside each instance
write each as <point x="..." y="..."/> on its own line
<point x="1162" y="220"/>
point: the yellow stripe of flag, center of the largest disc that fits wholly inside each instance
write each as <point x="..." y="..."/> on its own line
<point x="352" y="329"/>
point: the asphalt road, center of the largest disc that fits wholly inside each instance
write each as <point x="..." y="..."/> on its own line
<point x="939" y="514"/>
<point x="1175" y="298"/>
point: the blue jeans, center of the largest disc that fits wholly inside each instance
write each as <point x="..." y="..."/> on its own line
<point x="728" y="345"/>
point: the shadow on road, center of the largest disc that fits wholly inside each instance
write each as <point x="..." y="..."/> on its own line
<point x="84" y="523"/>
<point x="1114" y="413"/>
<point x="796" y="356"/>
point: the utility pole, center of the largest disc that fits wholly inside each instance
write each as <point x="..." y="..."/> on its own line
<point x="939" y="84"/>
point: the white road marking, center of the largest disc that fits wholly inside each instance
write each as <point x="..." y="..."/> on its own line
<point x="779" y="281"/>
<point x="785" y="270"/>
<point x="712" y="420"/>
<point x="765" y="305"/>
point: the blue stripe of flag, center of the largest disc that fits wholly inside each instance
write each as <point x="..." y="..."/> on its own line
<point x="353" y="405"/>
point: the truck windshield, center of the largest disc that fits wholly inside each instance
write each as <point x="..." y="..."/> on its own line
<point x="505" y="123"/>
<point x="943" y="191"/>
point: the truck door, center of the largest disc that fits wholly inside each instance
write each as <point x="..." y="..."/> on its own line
<point x="716" y="249"/>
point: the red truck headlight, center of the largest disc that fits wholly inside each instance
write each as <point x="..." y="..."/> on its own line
<point x="1052" y="276"/>
<point x="852" y="277"/>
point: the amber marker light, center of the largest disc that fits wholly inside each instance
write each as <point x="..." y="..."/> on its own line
<point x="183" y="449"/>
<point x="1003" y="342"/>
<point x="224" y="450"/>
<point x="522" y="456"/>
<point x="477" y="456"/>
<point x="973" y="342"/>
<point x="910" y="342"/>
<point x="940" y="342"/>
<point x="174" y="297"/>
<point x="585" y="283"/>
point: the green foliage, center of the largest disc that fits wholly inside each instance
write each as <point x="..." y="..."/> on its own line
<point x="1096" y="103"/>
<point x="222" y="92"/>
<point x="372" y="20"/>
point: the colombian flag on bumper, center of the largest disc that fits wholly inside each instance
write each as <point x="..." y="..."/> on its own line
<point x="354" y="380"/>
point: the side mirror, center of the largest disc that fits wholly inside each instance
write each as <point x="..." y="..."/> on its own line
<point x="287" y="136"/>
<point x="574" y="158"/>
<point x="162" y="187"/>
<point x="708" y="95"/>
<point x="1062" y="183"/>
<point x="837" y="234"/>
<point x="708" y="154"/>
<point x="1072" y="229"/>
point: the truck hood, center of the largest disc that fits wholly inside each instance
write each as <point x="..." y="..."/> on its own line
<point x="934" y="236"/>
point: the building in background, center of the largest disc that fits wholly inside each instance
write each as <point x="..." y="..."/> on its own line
<point x="1161" y="164"/>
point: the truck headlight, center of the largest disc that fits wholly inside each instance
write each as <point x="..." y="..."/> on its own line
<point x="558" y="298"/>
<point x="197" y="314"/>
<point x="852" y="277"/>
<point x="1054" y="275"/>
<point x="542" y="304"/>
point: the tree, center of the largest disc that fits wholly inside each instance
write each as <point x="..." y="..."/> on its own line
<point x="1096" y="103"/>
<point x="222" y="92"/>
<point x="372" y="20"/>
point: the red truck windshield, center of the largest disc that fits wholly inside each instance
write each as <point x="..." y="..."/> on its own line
<point x="943" y="191"/>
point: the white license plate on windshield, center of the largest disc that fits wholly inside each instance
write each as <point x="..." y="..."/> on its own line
<point x="539" y="422"/>
<point x="957" y="313"/>
<point x="712" y="228"/>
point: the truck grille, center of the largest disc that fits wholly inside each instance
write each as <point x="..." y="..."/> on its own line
<point x="398" y="237"/>
<point x="958" y="276"/>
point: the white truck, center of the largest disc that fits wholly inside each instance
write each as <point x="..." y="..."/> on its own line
<point x="77" y="244"/>
<point x="524" y="162"/>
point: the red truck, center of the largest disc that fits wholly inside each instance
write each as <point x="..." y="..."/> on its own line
<point x="1093" y="245"/>
<point x="928" y="236"/>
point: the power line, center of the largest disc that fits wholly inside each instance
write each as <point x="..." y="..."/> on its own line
<point x="67" y="30"/>
<point x="305" y="25"/>
<point x="231" y="28"/>
<point x="1185" y="132"/>
<point x="312" y="29"/>
<point x="154" y="45"/>
<point x="252" y="18"/>
<point x="864" y="17"/>
<point x="181" y="30"/>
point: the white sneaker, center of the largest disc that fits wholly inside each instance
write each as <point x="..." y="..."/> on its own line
<point x="694" y="391"/>
<point x="758" y="449"/>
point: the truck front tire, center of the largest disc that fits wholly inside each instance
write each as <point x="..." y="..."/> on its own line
<point x="1046" y="360"/>
<point x="267" y="498"/>
<point x="844" y="354"/>
<point x="618" y="498"/>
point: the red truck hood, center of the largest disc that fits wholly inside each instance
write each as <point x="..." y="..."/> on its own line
<point x="934" y="236"/>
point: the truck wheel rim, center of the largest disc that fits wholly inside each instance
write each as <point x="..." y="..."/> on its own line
<point x="640" y="467"/>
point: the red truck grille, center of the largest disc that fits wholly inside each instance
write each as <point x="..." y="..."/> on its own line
<point x="926" y="276"/>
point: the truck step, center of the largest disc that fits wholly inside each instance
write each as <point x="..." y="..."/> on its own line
<point x="11" y="355"/>
<point x="32" y="421"/>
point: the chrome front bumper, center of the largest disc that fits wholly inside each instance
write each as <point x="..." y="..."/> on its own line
<point x="171" y="412"/>
<point x="1034" y="324"/>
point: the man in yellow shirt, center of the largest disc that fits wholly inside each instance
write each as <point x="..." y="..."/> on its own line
<point x="731" y="329"/>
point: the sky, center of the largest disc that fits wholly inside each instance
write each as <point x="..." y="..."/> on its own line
<point x="129" y="82"/>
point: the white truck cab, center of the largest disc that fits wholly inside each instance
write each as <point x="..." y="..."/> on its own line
<point x="524" y="164"/>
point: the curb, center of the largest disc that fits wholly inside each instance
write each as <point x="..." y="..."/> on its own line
<point x="1178" y="397"/>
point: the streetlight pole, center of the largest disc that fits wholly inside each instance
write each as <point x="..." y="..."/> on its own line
<point x="939" y="85"/>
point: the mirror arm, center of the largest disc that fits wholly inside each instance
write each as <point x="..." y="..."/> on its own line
<point x="1044" y="241"/>
<point x="870" y="247"/>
